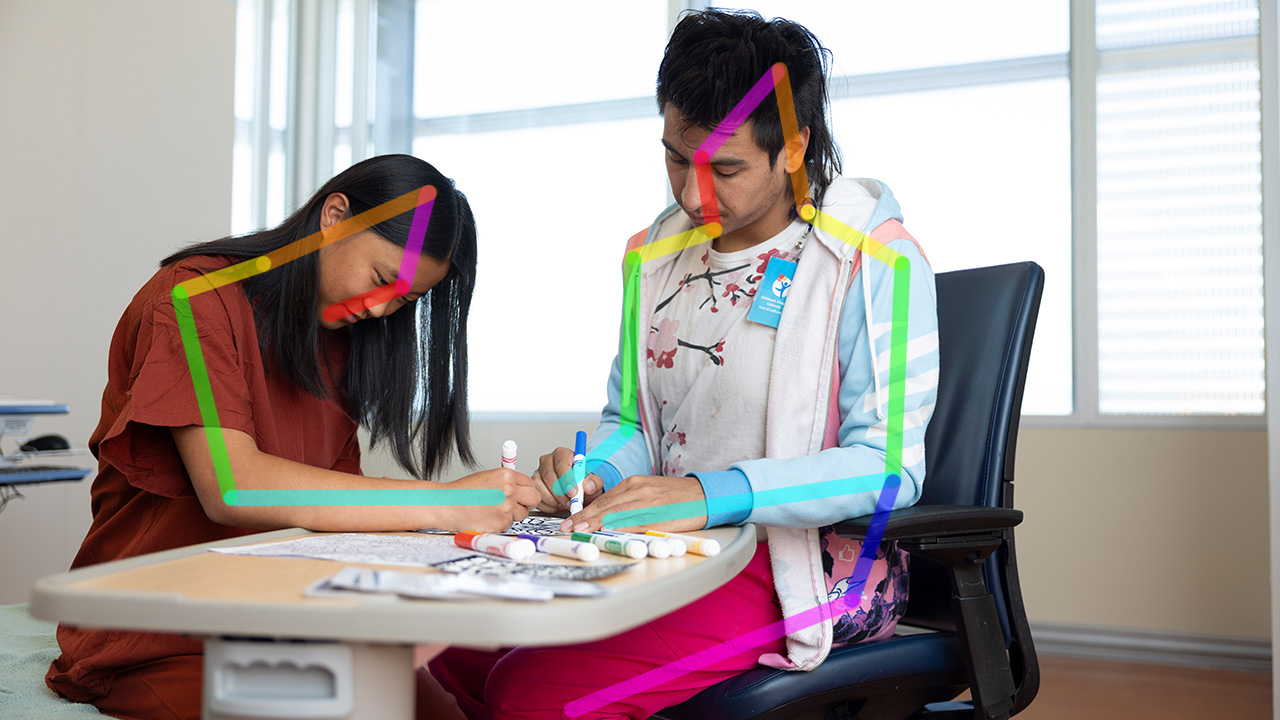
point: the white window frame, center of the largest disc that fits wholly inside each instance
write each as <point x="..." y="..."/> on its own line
<point x="310" y="138"/>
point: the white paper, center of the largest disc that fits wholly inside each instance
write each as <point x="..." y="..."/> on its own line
<point x="437" y="586"/>
<point x="414" y="551"/>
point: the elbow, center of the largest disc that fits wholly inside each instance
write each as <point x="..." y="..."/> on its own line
<point x="217" y="510"/>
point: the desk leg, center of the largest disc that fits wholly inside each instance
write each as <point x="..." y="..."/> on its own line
<point x="265" y="680"/>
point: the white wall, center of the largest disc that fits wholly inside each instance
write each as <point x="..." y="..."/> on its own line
<point x="116" y="122"/>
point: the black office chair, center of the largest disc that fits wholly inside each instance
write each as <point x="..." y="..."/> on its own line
<point x="966" y="598"/>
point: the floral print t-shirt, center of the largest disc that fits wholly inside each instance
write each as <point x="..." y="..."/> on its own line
<point x="709" y="369"/>
<point x="709" y="365"/>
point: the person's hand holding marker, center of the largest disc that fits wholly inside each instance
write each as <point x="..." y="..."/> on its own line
<point x="559" y="464"/>
<point x="519" y="497"/>
<point x="645" y="502"/>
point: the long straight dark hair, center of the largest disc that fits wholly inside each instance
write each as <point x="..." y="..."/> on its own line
<point x="406" y="376"/>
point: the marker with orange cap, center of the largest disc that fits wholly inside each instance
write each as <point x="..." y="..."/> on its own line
<point x="512" y="548"/>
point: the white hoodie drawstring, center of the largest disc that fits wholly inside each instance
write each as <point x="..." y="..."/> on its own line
<point x="871" y="341"/>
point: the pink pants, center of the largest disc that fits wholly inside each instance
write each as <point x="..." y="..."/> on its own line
<point x="537" y="682"/>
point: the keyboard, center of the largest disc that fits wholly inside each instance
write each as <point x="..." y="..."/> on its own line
<point x="19" y="474"/>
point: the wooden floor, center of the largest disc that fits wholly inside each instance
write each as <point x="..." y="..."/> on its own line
<point x="1071" y="689"/>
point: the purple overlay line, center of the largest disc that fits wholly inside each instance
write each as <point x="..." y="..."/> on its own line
<point x="417" y="235"/>
<point x="309" y="244"/>
<point x="738" y="115"/>
<point x="403" y="283"/>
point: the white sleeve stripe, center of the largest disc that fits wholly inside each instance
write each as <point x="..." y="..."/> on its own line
<point x="911" y="420"/>
<point x="923" y="382"/>
<point x="916" y="348"/>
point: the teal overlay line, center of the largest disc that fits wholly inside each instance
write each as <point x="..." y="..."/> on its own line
<point x="371" y="496"/>
<point x="887" y="483"/>
<point x="847" y="602"/>
<point x="185" y="317"/>
<point x="764" y="498"/>
<point x="628" y="412"/>
<point x="895" y="413"/>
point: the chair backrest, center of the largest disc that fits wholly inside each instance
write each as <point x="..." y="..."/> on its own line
<point x="986" y="320"/>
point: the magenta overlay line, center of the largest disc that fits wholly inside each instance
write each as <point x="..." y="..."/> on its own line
<point x="417" y="235"/>
<point x="738" y="114"/>
<point x="760" y="636"/>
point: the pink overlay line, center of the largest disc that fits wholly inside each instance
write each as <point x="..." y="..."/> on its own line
<point x="403" y="284"/>
<point x="755" y="638"/>
<point x="417" y="234"/>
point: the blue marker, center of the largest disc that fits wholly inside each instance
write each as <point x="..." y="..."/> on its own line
<point x="579" y="471"/>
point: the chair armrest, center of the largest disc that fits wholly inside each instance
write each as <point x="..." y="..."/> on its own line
<point x="961" y="538"/>
<point x="934" y="521"/>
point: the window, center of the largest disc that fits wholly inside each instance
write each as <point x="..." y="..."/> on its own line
<point x="1179" y="241"/>
<point x="969" y="125"/>
<point x="1140" y="197"/>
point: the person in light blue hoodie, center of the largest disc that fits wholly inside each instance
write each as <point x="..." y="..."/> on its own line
<point x="753" y="384"/>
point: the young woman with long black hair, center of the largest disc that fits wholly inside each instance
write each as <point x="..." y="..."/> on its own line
<point x="291" y="385"/>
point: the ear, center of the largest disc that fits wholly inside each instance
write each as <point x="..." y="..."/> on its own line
<point x="334" y="210"/>
<point x="795" y="150"/>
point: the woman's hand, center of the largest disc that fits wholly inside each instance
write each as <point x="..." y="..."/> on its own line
<point x="550" y="468"/>
<point x="519" y="492"/>
<point x="645" y="502"/>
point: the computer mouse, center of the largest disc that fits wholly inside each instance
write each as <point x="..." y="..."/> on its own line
<point x="46" y="443"/>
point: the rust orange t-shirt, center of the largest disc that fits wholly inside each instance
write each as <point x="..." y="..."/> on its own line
<point x="143" y="500"/>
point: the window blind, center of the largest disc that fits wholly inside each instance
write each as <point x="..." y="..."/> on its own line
<point x="1179" y="208"/>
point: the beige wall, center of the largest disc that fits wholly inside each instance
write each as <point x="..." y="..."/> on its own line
<point x="1146" y="529"/>
<point x="117" y="130"/>
<point x="118" y="139"/>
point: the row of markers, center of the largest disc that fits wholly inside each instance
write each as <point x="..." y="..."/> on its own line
<point x="588" y="546"/>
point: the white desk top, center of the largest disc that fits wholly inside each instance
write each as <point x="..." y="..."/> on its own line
<point x="193" y="591"/>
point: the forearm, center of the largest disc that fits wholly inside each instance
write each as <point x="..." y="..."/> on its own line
<point x="269" y="472"/>
<point x="618" y="440"/>
<point x="824" y="488"/>
<point x="252" y="469"/>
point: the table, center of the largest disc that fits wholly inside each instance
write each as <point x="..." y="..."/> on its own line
<point x="271" y="652"/>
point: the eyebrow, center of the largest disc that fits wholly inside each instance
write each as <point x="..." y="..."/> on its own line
<point x="723" y="162"/>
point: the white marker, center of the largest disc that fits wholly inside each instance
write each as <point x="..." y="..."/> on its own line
<point x="509" y="455"/>
<point x="513" y="548"/>
<point x="697" y="545"/>
<point x="615" y="545"/>
<point x="585" y="552"/>
<point x="678" y="546"/>
<point x="657" y="547"/>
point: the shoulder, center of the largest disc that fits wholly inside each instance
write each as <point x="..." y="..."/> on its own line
<point x="671" y="221"/>
<point x="213" y="307"/>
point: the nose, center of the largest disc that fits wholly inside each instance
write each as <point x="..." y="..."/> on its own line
<point x="690" y="199"/>
<point x="378" y="310"/>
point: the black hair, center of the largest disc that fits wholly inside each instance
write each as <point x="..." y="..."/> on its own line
<point x="406" y="376"/>
<point x="713" y="59"/>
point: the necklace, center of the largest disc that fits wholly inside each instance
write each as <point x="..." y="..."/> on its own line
<point x="800" y="243"/>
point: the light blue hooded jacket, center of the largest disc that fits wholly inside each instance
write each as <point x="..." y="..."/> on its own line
<point x="831" y="433"/>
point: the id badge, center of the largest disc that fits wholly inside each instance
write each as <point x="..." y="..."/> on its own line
<point x="771" y="293"/>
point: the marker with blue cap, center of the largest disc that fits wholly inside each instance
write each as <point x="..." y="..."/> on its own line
<point x="579" y="471"/>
